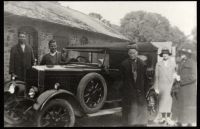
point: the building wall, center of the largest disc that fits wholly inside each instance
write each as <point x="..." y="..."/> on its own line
<point x="45" y="32"/>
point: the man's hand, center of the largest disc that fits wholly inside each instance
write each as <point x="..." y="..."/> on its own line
<point x="156" y="90"/>
<point x="176" y="77"/>
<point x="174" y="94"/>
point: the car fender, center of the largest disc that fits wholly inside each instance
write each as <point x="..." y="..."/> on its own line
<point x="48" y="95"/>
<point x="21" y="86"/>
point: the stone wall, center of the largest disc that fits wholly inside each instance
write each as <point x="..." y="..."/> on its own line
<point x="45" y="32"/>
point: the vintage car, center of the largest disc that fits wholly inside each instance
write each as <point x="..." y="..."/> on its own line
<point x="56" y="95"/>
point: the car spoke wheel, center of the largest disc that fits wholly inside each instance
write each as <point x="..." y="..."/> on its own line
<point x="13" y="110"/>
<point x="57" y="113"/>
<point x="92" y="92"/>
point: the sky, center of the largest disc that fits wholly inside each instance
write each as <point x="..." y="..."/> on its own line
<point x="182" y="14"/>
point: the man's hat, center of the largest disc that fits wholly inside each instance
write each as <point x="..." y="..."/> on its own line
<point x="22" y="32"/>
<point x="132" y="46"/>
<point x="164" y="51"/>
<point x="187" y="51"/>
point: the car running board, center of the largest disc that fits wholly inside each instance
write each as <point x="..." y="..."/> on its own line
<point x="105" y="112"/>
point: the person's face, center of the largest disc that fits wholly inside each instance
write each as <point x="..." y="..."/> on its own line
<point x="53" y="47"/>
<point x="22" y="38"/>
<point x="165" y="56"/>
<point x="133" y="53"/>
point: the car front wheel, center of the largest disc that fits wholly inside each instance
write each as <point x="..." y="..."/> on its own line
<point x="12" y="111"/>
<point x="92" y="92"/>
<point x="57" y="113"/>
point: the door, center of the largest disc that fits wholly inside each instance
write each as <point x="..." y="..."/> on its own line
<point x="32" y="38"/>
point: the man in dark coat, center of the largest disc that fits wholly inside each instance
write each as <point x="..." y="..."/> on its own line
<point x="21" y="58"/>
<point x="185" y="104"/>
<point x="53" y="57"/>
<point x="134" y="104"/>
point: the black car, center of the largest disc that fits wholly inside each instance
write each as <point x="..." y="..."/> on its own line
<point x="54" y="95"/>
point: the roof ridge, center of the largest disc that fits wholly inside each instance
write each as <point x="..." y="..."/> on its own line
<point x="63" y="15"/>
<point x="99" y="21"/>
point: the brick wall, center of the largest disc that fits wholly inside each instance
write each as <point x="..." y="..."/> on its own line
<point x="10" y="37"/>
<point x="45" y="31"/>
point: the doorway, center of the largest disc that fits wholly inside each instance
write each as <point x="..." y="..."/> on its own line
<point x="32" y="38"/>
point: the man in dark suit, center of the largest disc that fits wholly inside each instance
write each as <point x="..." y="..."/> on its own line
<point x="21" y="58"/>
<point x="134" y="104"/>
<point x="185" y="108"/>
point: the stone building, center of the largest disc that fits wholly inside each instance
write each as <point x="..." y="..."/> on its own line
<point x="43" y="21"/>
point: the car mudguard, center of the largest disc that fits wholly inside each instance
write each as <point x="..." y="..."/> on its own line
<point x="21" y="86"/>
<point x="48" y="95"/>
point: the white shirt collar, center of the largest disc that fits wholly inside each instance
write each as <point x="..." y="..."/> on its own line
<point x="22" y="46"/>
<point x="53" y="54"/>
<point x="166" y="62"/>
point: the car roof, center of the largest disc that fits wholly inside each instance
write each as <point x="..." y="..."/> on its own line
<point x="112" y="47"/>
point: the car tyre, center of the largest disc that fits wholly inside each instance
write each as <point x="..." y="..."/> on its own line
<point x="13" y="115"/>
<point x="92" y="86"/>
<point x="59" y="112"/>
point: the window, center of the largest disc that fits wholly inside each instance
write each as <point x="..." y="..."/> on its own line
<point x="83" y="40"/>
<point x="61" y="42"/>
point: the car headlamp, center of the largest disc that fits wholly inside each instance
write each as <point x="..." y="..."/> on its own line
<point x="12" y="88"/>
<point x="13" y="78"/>
<point x="57" y="86"/>
<point x="32" y="92"/>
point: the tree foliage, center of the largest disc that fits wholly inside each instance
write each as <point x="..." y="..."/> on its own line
<point x="106" y="22"/>
<point x="95" y="15"/>
<point x="145" y="27"/>
<point x="194" y="34"/>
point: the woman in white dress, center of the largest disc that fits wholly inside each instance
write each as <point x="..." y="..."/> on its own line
<point x="164" y="78"/>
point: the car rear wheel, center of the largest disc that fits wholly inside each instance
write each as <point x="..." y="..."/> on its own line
<point x="57" y="113"/>
<point x="92" y="92"/>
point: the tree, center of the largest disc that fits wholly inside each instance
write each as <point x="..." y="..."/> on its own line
<point x="106" y="22"/>
<point x="116" y="27"/>
<point x="194" y="34"/>
<point x="95" y="15"/>
<point x="143" y="26"/>
<point x="176" y="36"/>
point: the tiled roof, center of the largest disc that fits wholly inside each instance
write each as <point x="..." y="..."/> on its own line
<point x="55" y="13"/>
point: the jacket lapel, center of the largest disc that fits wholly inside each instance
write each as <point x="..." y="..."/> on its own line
<point x="165" y="68"/>
<point x="19" y="49"/>
<point x="138" y="70"/>
<point x="26" y="49"/>
<point x="130" y="70"/>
